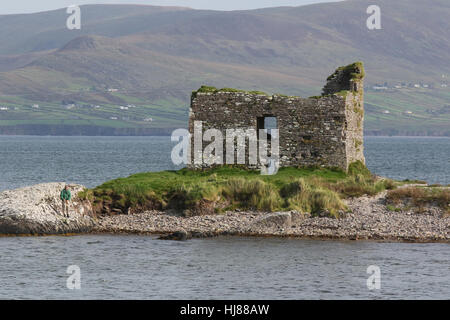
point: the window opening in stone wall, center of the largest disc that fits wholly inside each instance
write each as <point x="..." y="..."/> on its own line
<point x="268" y="123"/>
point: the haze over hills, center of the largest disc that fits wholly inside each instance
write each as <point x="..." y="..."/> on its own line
<point x="151" y="58"/>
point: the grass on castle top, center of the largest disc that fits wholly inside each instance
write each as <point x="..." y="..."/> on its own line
<point x="312" y="190"/>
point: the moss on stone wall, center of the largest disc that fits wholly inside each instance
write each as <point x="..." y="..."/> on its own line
<point x="210" y="89"/>
<point x="285" y="96"/>
<point x="343" y="93"/>
<point x="206" y="89"/>
<point x="358" y="143"/>
<point x="354" y="70"/>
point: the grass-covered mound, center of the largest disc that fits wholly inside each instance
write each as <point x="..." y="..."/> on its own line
<point x="312" y="190"/>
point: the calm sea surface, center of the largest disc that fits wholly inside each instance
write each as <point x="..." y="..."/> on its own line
<point x="90" y="161"/>
<point x="138" y="267"/>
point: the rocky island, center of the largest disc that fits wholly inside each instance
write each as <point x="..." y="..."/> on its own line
<point x="406" y="212"/>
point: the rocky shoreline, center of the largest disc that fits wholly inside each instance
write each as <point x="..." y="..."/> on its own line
<point x="35" y="211"/>
<point x="369" y="219"/>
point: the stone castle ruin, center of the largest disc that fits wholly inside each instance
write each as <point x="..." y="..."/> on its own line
<point x="319" y="131"/>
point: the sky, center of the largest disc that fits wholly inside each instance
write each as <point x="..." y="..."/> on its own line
<point x="28" y="6"/>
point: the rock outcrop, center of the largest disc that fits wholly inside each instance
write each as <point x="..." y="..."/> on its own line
<point x="277" y="220"/>
<point x="36" y="210"/>
<point x="181" y="235"/>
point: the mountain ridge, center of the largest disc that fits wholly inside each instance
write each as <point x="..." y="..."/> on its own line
<point x="155" y="56"/>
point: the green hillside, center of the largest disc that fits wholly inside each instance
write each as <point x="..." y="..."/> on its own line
<point x="411" y="112"/>
<point x="154" y="57"/>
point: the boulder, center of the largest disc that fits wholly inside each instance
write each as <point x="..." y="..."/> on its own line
<point x="36" y="210"/>
<point x="278" y="220"/>
<point x="181" y="235"/>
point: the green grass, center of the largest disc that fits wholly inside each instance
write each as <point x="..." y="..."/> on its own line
<point x="165" y="114"/>
<point x="393" y="208"/>
<point x="353" y="71"/>
<point x="427" y="106"/>
<point x="312" y="190"/>
<point x="209" y="89"/>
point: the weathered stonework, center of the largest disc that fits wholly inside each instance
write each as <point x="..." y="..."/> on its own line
<point x="325" y="131"/>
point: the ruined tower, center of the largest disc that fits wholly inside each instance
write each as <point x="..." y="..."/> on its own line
<point x="325" y="131"/>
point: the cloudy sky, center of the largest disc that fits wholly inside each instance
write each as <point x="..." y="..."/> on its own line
<point x="27" y="6"/>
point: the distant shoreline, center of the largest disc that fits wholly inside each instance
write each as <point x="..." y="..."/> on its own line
<point x="89" y="130"/>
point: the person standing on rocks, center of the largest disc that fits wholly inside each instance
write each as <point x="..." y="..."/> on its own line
<point x="65" y="196"/>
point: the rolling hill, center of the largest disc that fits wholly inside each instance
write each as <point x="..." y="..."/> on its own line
<point x="148" y="59"/>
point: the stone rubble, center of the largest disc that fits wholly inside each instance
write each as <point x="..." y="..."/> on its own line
<point x="36" y="210"/>
<point x="369" y="219"/>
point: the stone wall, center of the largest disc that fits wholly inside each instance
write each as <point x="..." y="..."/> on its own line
<point x="325" y="131"/>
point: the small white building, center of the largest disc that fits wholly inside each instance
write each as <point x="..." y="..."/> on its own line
<point x="378" y="88"/>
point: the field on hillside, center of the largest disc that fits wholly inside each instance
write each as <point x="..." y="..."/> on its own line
<point x="408" y="112"/>
<point x="399" y="112"/>
<point x="132" y="113"/>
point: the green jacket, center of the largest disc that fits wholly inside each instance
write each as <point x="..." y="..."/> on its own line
<point x="65" y="195"/>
